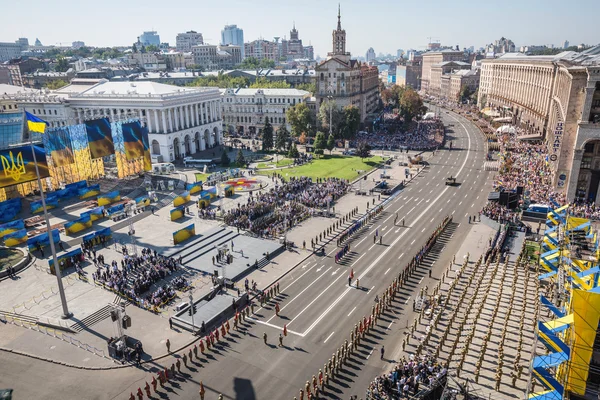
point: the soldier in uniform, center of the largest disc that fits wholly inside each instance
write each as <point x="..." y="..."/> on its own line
<point x="178" y="363"/>
<point x="265" y="337"/>
<point x="184" y="360"/>
<point x="280" y="340"/>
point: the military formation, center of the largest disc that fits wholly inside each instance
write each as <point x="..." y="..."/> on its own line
<point x="483" y="313"/>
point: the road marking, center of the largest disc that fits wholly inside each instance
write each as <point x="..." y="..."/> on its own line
<point x="466" y="214"/>
<point x="279" y="328"/>
<point x="378" y="259"/>
<point x="410" y="210"/>
<point x="335" y="272"/>
<point x="399" y="257"/>
<point x="397" y="230"/>
<point x="373" y="245"/>
<point x="407" y="300"/>
<point x="371" y="289"/>
<point x="330" y="335"/>
<point x="448" y="201"/>
<point x="389" y="326"/>
<point x="370" y="354"/>
<point x="388" y="270"/>
<point x="460" y="203"/>
<point x="421" y="279"/>
<point x="440" y="210"/>
<point x="434" y="217"/>
<point x="423" y="230"/>
<point x="351" y="311"/>
<point x="388" y="218"/>
<point x="319" y="269"/>
<point x="363" y="239"/>
<point x="384" y="228"/>
<point x="358" y="259"/>
<point x="472" y="205"/>
<point x="477" y="197"/>
<point x="298" y="295"/>
<point x="413" y="242"/>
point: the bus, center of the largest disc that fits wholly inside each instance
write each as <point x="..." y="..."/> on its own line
<point x="192" y="162"/>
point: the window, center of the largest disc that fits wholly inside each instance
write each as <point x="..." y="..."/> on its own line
<point x="586" y="162"/>
<point x="589" y="148"/>
<point x="322" y="76"/>
<point x="334" y="75"/>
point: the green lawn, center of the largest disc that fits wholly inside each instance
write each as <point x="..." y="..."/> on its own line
<point x="331" y="166"/>
<point x="201" y="177"/>
<point x="281" y="163"/>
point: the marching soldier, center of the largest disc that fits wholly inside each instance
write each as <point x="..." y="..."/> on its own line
<point x="173" y="370"/>
<point x="153" y="382"/>
<point x="184" y="360"/>
<point x="280" y="340"/>
<point x="178" y="363"/>
<point x="265" y="337"/>
<point x="201" y="391"/>
<point x="195" y="351"/>
<point x="147" y="389"/>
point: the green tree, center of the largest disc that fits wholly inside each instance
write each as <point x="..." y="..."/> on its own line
<point x="152" y="48"/>
<point x="351" y="121"/>
<point x="320" y="142"/>
<point x="225" y="161"/>
<point x="240" y="161"/>
<point x="267" y="135"/>
<point x="195" y="67"/>
<point x="221" y="81"/>
<point x="363" y="150"/>
<point x="330" y="143"/>
<point x="249" y="63"/>
<point x="282" y="138"/>
<point x="264" y="83"/>
<point x="411" y="105"/>
<point x="300" y="119"/>
<point x="266" y="63"/>
<point x="309" y="87"/>
<point x="53" y="85"/>
<point x="62" y="64"/>
<point x="336" y="115"/>
<point x="293" y="152"/>
<point x="134" y="48"/>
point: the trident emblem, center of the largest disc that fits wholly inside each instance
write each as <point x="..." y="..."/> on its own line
<point x="12" y="169"/>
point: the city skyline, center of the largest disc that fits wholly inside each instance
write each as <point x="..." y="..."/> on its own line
<point x="402" y="29"/>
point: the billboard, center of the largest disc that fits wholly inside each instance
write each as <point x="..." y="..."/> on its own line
<point x="194" y="188"/>
<point x="94" y="214"/>
<point x="184" y="234"/>
<point x="115" y="209"/>
<point x="78" y="225"/>
<point x="109" y="198"/>
<point x="11" y="227"/>
<point x="18" y="166"/>
<point x="9" y="209"/>
<point x="58" y="145"/>
<point x="106" y="233"/>
<point x="177" y="213"/>
<point x="89" y="191"/>
<point x="147" y="157"/>
<point x="37" y="206"/>
<point x="100" y="138"/>
<point x="132" y="139"/>
<point x="181" y="199"/>
<point x="43" y="240"/>
<point x="142" y="201"/>
<point x="15" y="238"/>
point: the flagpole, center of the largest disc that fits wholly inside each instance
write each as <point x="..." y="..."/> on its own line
<point x="61" y="289"/>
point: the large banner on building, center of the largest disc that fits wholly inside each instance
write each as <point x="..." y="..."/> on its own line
<point x="18" y="166"/>
<point x="184" y="234"/>
<point x="43" y="240"/>
<point x="15" y="238"/>
<point x="100" y="137"/>
<point x="147" y="157"/>
<point x="37" y="206"/>
<point x="132" y="139"/>
<point x="11" y="227"/>
<point x="58" y="145"/>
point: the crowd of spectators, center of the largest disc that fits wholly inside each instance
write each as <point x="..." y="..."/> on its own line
<point x="271" y="213"/>
<point x="136" y="276"/>
<point x="424" y="135"/>
<point x="585" y="210"/>
<point x="406" y="379"/>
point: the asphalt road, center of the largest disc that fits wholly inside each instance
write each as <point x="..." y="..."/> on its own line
<point x="316" y="302"/>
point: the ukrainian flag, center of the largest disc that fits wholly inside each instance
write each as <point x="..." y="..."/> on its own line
<point x="35" y="124"/>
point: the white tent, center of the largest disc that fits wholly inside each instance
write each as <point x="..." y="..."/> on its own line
<point x="506" y="129"/>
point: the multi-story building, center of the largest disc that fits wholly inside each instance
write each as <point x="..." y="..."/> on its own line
<point x="147" y="61"/>
<point x="309" y="52"/>
<point x="556" y="98"/>
<point x="438" y="71"/>
<point x="77" y="44"/>
<point x="262" y="49"/>
<point x="185" y="41"/>
<point x="409" y="75"/>
<point x="432" y="60"/>
<point x="205" y="55"/>
<point x="40" y="79"/>
<point x="370" y="55"/>
<point x="231" y="34"/>
<point x="501" y="46"/>
<point x="246" y="110"/>
<point x="180" y="121"/>
<point x="346" y="81"/>
<point x="228" y="56"/>
<point x="149" y="37"/>
<point x="8" y="50"/>
<point x="292" y="49"/>
<point x="17" y="68"/>
<point x="178" y="60"/>
<point x="453" y="83"/>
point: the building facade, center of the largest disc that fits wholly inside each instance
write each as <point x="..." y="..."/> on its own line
<point x="16" y="68"/>
<point x="370" y="55"/>
<point x="185" y="41"/>
<point x="148" y="38"/>
<point x="262" y="49"/>
<point x="431" y="79"/>
<point x="346" y="81"/>
<point x="453" y="83"/>
<point x="147" y="61"/>
<point x="245" y="110"/>
<point x="180" y="121"/>
<point x="409" y="75"/>
<point x="555" y="98"/>
<point x="231" y="34"/>
<point x="9" y="50"/>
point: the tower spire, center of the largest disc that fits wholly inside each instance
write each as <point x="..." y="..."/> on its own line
<point x="339" y="27"/>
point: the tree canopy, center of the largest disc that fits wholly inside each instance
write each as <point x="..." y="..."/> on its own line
<point x="411" y="105"/>
<point x="267" y="135"/>
<point x="240" y="161"/>
<point x="264" y="83"/>
<point x="221" y="81"/>
<point x="282" y="138"/>
<point x="62" y="64"/>
<point x="300" y="119"/>
<point x="57" y="84"/>
<point x="363" y="150"/>
<point x="254" y="63"/>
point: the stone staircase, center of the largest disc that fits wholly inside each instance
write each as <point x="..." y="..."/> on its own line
<point x="91" y="319"/>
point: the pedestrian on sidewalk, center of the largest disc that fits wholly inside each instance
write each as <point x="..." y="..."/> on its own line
<point x="168" y="344"/>
<point x="170" y="323"/>
<point x="382" y="351"/>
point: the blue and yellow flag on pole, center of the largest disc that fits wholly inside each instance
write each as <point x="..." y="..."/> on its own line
<point x="35" y="124"/>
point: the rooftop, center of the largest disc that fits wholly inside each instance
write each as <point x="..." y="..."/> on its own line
<point x="11" y="90"/>
<point x="267" y="92"/>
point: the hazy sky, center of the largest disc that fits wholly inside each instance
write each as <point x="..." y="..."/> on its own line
<point x="384" y="25"/>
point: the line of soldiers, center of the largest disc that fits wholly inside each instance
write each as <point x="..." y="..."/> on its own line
<point x="323" y="235"/>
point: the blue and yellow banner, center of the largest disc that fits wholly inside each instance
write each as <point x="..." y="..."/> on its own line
<point x="15" y="238"/>
<point x="181" y="199"/>
<point x="65" y="256"/>
<point x="9" y="209"/>
<point x="115" y="209"/>
<point x="78" y="225"/>
<point x="43" y="240"/>
<point x="94" y="214"/>
<point x="100" y="138"/>
<point x="35" y="124"/>
<point x="11" y="227"/>
<point x="142" y="201"/>
<point x="58" y="145"/>
<point x="133" y="141"/>
<point x="106" y="232"/>
<point x="147" y="157"/>
<point x="177" y="213"/>
<point x="18" y="166"/>
<point x="109" y="198"/>
<point x="90" y="191"/>
<point x="194" y="188"/>
<point x="184" y="234"/>
<point x="37" y="207"/>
